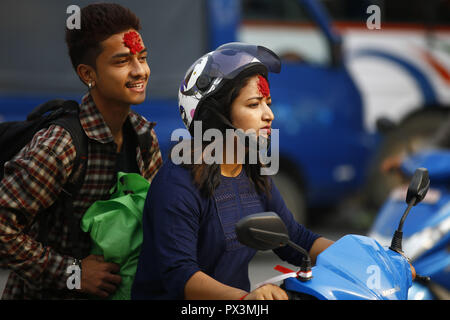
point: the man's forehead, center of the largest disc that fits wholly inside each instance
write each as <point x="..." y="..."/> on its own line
<point x="132" y="40"/>
<point x="124" y="41"/>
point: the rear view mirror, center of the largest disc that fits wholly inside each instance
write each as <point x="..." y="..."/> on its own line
<point x="262" y="231"/>
<point x="266" y="231"/>
<point x="418" y="188"/>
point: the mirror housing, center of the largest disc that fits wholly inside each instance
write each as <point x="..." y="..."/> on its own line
<point x="266" y="231"/>
<point x="417" y="190"/>
<point x="418" y="187"/>
<point x="262" y="231"/>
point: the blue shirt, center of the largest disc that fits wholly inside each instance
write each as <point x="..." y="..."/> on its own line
<point x="184" y="232"/>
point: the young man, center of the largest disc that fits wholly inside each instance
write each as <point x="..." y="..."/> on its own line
<point x="109" y="56"/>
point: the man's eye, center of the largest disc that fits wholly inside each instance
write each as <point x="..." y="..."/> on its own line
<point x="121" y="61"/>
<point x="143" y="58"/>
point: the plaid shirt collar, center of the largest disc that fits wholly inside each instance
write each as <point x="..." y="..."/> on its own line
<point x="95" y="126"/>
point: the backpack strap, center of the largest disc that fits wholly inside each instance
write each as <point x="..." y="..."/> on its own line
<point x="70" y="121"/>
<point x="46" y="107"/>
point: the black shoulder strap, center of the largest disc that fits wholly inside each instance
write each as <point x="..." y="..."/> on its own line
<point x="70" y="121"/>
<point x="47" y="107"/>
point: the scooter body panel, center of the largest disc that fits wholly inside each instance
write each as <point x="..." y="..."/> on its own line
<point x="419" y="292"/>
<point x="356" y="267"/>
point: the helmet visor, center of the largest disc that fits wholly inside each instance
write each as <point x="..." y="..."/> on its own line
<point x="230" y="59"/>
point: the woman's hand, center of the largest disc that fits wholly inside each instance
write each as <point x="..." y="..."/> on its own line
<point x="202" y="287"/>
<point x="267" y="292"/>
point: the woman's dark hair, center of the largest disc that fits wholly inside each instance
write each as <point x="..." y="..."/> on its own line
<point x="99" y="21"/>
<point x="207" y="176"/>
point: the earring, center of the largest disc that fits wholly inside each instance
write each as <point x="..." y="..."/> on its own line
<point x="90" y="85"/>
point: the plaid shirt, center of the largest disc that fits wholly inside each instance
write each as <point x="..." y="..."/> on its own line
<point x="33" y="182"/>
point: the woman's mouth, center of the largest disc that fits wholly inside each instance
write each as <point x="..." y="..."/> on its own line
<point x="265" y="130"/>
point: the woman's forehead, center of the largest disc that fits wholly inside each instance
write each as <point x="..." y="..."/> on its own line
<point x="256" y="86"/>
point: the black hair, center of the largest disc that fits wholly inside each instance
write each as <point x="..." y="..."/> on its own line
<point x="99" y="21"/>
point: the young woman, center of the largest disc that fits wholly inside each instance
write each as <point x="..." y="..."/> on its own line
<point x="190" y="249"/>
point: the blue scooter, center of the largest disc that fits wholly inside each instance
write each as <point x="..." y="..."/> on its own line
<point x="354" y="267"/>
<point x="427" y="232"/>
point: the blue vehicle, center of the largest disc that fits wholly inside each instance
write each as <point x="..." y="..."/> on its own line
<point x="324" y="149"/>
<point x="427" y="232"/>
<point x="353" y="268"/>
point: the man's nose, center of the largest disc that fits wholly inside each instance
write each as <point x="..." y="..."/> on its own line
<point x="139" y="69"/>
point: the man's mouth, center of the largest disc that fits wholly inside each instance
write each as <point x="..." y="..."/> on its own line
<point x="137" y="86"/>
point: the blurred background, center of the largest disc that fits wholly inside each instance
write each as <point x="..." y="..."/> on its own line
<point x="362" y="82"/>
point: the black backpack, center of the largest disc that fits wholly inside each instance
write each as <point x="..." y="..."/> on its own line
<point x="15" y="135"/>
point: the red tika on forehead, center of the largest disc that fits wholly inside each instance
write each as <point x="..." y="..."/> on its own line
<point x="133" y="42"/>
<point x="263" y="86"/>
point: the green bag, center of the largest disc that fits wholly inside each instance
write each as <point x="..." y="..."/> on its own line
<point x="115" y="226"/>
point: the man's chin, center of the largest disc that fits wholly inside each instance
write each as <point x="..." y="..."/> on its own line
<point x="137" y="100"/>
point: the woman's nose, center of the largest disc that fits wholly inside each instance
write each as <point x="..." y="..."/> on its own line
<point x="267" y="113"/>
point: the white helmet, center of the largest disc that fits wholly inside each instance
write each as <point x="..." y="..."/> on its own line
<point x="208" y="74"/>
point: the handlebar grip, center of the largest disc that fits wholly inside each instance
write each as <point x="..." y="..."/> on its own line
<point x="423" y="279"/>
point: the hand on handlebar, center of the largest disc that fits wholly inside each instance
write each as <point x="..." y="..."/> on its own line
<point x="267" y="292"/>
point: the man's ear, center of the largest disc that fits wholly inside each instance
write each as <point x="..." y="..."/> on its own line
<point x="87" y="74"/>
